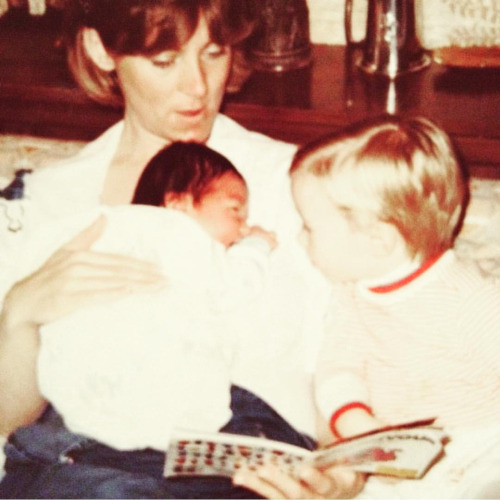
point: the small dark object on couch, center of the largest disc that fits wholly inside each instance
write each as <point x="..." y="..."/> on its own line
<point x="15" y="190"/>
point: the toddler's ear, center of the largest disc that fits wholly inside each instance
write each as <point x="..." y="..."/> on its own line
<point x="183" y="202"/>
<point x="385" y="238"/>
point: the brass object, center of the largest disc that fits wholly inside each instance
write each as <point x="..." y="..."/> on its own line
<point x="391" y="45"/>
<point x="281" y="40"/>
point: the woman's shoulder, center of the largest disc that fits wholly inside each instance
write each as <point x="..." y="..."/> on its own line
<point x="93" y="155"/>
<point x="233" y="140"/>
<point x="224" y="125"/>
<point x="75" y="179"/>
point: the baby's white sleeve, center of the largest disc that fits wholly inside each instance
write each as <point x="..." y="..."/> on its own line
<point x="242" y="271"/>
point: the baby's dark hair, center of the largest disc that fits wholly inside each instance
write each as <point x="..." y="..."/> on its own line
<point x="181" y="168"/>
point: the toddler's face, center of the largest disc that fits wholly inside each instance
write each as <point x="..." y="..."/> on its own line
<point x="332" y="242"/>
<point x="223" y="210"/>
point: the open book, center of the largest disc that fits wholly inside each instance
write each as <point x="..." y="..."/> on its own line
<point x="405" y="451"/>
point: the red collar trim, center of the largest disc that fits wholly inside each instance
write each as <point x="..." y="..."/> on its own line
<point x="408" y="279"/>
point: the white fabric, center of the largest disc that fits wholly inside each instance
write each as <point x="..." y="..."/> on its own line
<point x="427" y="349"/>
<point x="124" y="372"/>
<point x="279" y="333"/>
<point x="128" y="371"/>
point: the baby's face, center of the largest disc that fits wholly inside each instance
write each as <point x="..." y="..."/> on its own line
<point x="223" y="209"/>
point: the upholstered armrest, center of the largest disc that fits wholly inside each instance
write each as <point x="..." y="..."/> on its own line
<point x="27" y="152"/>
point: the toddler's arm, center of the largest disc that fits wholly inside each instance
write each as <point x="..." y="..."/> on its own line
<point x="353" y="419"/>
<point x="341" y="391"/>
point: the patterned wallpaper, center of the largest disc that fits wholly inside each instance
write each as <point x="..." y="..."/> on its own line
<point x="445" y="23"/>
<point x="462" y="23"/>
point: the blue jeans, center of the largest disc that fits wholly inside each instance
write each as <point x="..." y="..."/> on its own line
<point x="46" y="460"/>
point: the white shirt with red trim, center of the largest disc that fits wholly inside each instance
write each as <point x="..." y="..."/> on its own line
<point x="427" y="348"/>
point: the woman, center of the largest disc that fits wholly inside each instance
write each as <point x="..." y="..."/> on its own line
<point x="168" y="63"/>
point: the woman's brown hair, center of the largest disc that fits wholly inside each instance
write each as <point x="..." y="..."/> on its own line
<point x="146" y="27"/>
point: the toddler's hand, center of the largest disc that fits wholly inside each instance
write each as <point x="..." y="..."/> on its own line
<point x="269" y="236"/>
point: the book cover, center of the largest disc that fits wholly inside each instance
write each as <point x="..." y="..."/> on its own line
<point x="406" y="451"/>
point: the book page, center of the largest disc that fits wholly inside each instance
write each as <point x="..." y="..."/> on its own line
<point x="405" y="451"/>
<point x="221" y="454"/>
<point x="402" y="452"/>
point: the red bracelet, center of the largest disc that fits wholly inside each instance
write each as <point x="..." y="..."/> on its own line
<point x="342" y="410"/>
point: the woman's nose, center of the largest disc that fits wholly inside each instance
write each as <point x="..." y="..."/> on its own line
<point x="193" y="78"/>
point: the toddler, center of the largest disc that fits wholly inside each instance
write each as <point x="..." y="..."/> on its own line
<point x="415" y="330"/>
<point x="176" y="345"/>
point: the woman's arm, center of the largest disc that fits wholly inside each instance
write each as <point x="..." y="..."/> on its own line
<point x="20" y="400"/>
<point x="72" y="277"/>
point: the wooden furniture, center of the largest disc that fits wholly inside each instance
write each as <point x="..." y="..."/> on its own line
<point x="38" y="96"/>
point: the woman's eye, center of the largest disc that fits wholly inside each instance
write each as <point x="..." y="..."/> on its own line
<point x="214" y="50"/>
<point x="164" y="61"/>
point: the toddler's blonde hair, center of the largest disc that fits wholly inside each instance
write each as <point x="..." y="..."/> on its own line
<point x="404" y="171"/>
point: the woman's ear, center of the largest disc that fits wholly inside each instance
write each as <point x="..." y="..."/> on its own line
<point x="179" y="201"/>
<point x="96" y="51"/>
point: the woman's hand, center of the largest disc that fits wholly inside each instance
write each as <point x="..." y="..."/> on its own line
<point x="270" y="482"/>
<point x="74" y="277"/>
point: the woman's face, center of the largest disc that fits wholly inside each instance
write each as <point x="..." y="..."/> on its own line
<point x="176" y="94"/>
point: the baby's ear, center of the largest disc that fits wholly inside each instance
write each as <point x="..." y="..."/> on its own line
<point x="178" y="201"/>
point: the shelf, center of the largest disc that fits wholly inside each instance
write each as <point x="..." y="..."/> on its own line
<point x="39" y="97"/>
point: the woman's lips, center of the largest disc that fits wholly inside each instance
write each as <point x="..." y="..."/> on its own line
<point x="191" y="113"/>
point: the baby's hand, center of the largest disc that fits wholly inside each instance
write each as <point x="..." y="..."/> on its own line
<point x="269" y="236"/>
